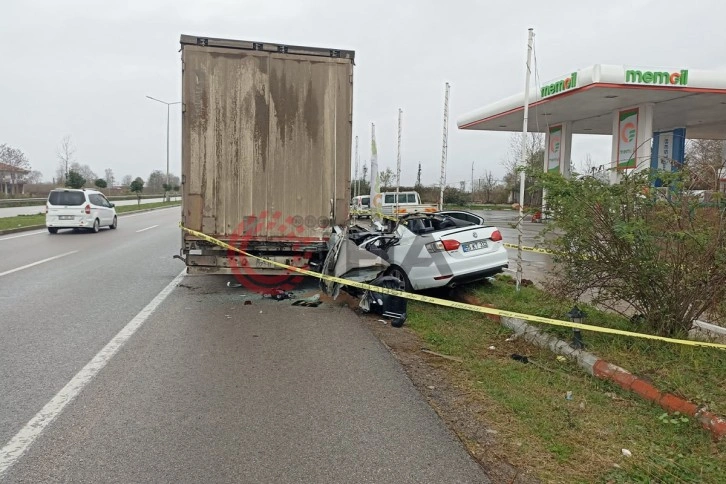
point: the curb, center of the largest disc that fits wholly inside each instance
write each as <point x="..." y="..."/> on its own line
<point x="38" y="227"/>
<point x="600" y="368"/>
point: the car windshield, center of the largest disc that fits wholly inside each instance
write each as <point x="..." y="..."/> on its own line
<point x="66" y="198"/>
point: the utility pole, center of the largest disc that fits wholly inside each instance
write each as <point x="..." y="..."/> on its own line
<point x="444" y="148"/>
<point x="398" y="156"/>
<point x="418" y="177"/>
<point x="472" y="182"/>
<point x="356" y="182"/>
<point x="524" y="159"/>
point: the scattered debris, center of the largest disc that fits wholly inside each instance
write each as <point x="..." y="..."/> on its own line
<point x="582" y="405"/>
<point x="233" y="284"/>
<point x="511" y="338"/>
<point x="627" y="453"/>
<point x="492" y="348"/>
<point x="447" y="357"/>
<point x="431" y="387"/>
<point x="248" y="303"/>
<point x="393" y="307"/>
<point x="492" y="431"/>
<point x="561" y="358"/>
<point x="520" y="358"/>
<point x="568" y="395"/>
<point x="312" y="301"/>
<point x="383" y="321"/>
<point x="278" y="295"/>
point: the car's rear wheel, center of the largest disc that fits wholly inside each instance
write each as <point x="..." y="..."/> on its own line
<point x="400" y="274"/>
<point x="53" y="230"/>
<point x="114" y="224"/>
<point x="96" y="226"/>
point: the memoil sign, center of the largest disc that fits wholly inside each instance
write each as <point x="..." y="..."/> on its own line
<point x="657" y="77"/>
<point x="560" y="86"/>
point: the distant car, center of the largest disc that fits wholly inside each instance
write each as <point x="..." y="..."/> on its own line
<point x="429" y="250"/>
<point x="361" y="206"/>
<point x="79" y="209"/>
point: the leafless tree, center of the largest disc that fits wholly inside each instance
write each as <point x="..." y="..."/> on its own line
<point x="109" y="177"/>
<point x="15" y="158"/>
<point x="85" y="171"/>
<point x="705" y="158"/>
<point x="488" y="184"/>
<point x="126" y="180"/>
<point x="33" y="177"/>
<point x="66" y="155"/>
<point x="386" y="177"/>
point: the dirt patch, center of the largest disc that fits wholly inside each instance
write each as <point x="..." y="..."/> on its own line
<point x="445" y="387"/>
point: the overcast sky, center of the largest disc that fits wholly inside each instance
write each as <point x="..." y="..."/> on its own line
<point x="83" y="68"/>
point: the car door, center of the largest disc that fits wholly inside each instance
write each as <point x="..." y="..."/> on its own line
<point x="97" y="202"/>
<point x="108" y="208"/>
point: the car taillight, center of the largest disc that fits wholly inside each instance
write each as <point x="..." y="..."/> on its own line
<point x="496" y="236"/>
<point x="46" y="208"/>
<point x="88" y="209"/>
<point x="451" y="244"/>
<point x="443" y="245"/>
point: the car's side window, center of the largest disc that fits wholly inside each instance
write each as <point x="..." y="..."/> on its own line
<point x="94" y="199"/>
<point x="104" y="201"/>
<point x="390" y="199"/>
<point x="411" y="198"/>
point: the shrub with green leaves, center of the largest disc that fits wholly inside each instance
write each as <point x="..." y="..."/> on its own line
<point x="662" y="250"/>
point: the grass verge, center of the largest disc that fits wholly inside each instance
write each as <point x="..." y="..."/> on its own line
<point x="21" y="221"/>
<point x="580" y="439"/>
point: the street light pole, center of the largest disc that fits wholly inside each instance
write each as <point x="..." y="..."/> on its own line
<point x="167" y="132"/>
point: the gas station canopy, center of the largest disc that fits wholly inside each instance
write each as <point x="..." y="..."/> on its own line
<point x="586" y="100"/>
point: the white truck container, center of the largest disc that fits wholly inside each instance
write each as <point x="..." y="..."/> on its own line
<point x="266" y="149"/>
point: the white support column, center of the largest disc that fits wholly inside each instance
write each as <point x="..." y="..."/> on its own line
<point x="558" y="140"/>
<point x="632" y="137"/>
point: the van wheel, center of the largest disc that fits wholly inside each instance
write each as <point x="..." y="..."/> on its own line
<point x="114" y="224"/>
<point x="53" y="230"/>
<point x="96" y="226"/>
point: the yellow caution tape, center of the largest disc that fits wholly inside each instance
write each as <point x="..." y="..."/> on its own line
<point x="451" y="304"/>
<point x="528" y="249"/>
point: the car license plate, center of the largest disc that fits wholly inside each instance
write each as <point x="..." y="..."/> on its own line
<point x="471" y="246"/>
<point x="65" y="217"/>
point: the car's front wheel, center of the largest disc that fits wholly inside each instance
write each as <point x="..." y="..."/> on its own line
<point x="114" y="224"/>
<point x="96" y="226"/>
<point x="400" y="274"/>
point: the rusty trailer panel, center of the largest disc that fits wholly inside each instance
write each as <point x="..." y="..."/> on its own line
<point x="267" y="137"/>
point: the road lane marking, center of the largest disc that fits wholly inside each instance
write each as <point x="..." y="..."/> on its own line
<point x="147" y="228"/>
<point x="23" y="235"/>
<point x="18" y="445"/>
<point x="36" y="263"/>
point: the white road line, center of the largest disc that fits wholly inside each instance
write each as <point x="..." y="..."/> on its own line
<point x="147" y="228"/>
<point x="22" y="441"/>
<point x="178" y="207"/>
<point x="36" y="263"/>
<point x="23" y="235"/>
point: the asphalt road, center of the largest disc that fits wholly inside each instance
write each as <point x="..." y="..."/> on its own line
<point x="535" y="265"/>
<point x="115" y="368"/>
<point x="32" y="210"/>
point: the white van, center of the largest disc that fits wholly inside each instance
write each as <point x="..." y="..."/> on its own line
<point x="68" y="208"/>
<point x="360" y="206"/>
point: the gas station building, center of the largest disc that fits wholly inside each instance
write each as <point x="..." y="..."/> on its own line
<point x="648" y="111"/>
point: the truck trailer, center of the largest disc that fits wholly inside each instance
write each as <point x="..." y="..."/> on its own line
<point x="266" y="150"/>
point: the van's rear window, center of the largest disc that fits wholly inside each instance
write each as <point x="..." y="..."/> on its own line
<point x="66" y="198"/>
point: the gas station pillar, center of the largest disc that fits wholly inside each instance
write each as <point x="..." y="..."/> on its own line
<point x="632" y="136"/>
<point x="558" y="140"/>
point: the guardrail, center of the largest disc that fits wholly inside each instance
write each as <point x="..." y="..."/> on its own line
<point x="30" y="202"/>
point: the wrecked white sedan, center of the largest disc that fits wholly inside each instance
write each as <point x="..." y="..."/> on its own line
<point x="427" y="250"/>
